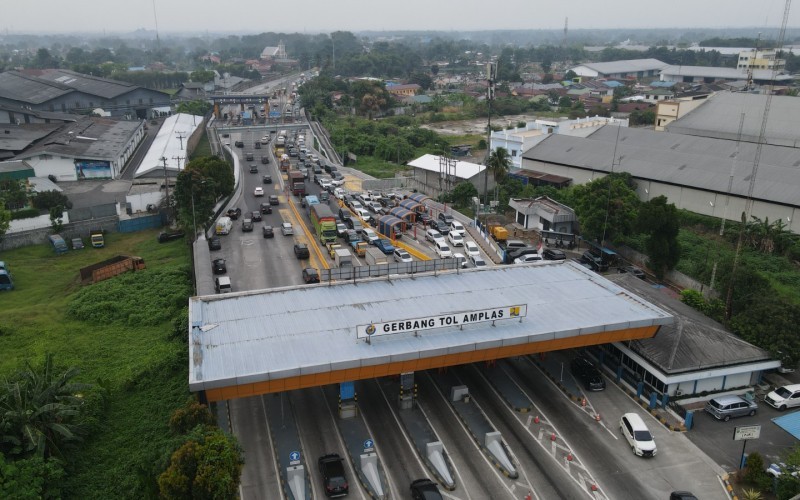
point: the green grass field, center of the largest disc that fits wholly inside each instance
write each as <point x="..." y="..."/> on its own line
<point x="145" y="371"/>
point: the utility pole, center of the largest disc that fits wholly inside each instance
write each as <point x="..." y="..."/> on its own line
<point x="491" y="76"/>
<point x="181" y="137"/>
<point x="166" y="183"/>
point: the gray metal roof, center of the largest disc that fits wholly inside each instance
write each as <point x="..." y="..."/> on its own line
<point x="693" y="341"/>
<point x="18" y="137"/>
<point x="272" y="334"/>
<point x="720" y="114"/>
<point x="89" y="138"/>
<point x="88" y="84"/>
<point x="625" y="66"/>
<point x="29" y="89"/>
<point x="720" y="73"/>
<point x="682" y="160"/>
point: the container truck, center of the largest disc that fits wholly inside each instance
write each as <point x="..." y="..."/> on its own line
<point x="297" y="181"/>
<point x="375" y="257"/>
<point x="324" y="222"/>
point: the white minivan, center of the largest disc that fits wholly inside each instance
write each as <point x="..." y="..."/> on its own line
<point x="784" y="397"/>
<point x="638" y="435"/>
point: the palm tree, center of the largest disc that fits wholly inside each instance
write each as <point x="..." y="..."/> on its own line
<point x="499" y="163"/>
<point x="40" y="410"/>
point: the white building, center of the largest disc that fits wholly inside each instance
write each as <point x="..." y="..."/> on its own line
<point x="169" y="151"/>
<point x="632" y="68"/>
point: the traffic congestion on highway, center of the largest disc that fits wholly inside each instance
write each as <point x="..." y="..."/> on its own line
<point x="299" y="213"/>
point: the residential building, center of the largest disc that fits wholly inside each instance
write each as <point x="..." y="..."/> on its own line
<point x="760" y="59"/>
<point x="544" y="214"/>
<point x="403" y="89"/>
<point x="670" y="110"/>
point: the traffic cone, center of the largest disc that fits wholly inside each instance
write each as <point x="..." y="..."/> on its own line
<point x="553" y="436"/>
<point x="569" y="457"/>
<point x="583" y="402"/>
<point x="594" y="487"/>
<point x="597" y="417"/>
<point x="536" y="419"/>
<point x="528" y="496"/>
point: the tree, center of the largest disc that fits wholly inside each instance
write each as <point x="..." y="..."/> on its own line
<point x="463" y="193"/>
<point x="770" y="323"/>
<point x="41" y="410"/>
<point x="46" y="200"/>
<point x="659" y="220"/>
<point x="498" y="164"/>
<point x="607" y="206"/>
<point x="434" y="69"/>
<point x="564" y="103"/>
<point x="5" y="218"/>
<point x="202" y="76"/>
<point x="57" y="218"/>
<point x="207" y="465"/>
<point x="194" y="197"/>
<point x="189" y="416"/>
<point x="198" y="107"/>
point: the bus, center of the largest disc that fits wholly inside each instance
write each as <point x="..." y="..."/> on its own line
<point x="324" y="222"/>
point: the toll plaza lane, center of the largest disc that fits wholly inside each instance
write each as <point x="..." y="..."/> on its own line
<point x="678" y="465"/>
<point x="249" y="424"/>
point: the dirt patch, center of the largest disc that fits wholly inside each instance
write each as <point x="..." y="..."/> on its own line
<point x="462" y="127"/>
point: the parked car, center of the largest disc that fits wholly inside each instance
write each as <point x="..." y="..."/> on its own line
<point x="273" y="199"/>
<point x="331" y="468"/>
<point x="585" y="371"/>
<point x="222" y="284"/>
<point x="527" y="259"/>
<point x="638" y="435"/>
<point x="553" y="254"/>
<point x="287" y="229"/>
<point x="218" y="266"/>
<point x="310" y="275"/>
<point x="77" y="244"/>
<point x="638" y="272"/>
<point x="425" y="489"/>
<point x="215" y="243"/>
<point x="247" y="225"/>
<point x="401" y="255"/>
<point x="267" y="232"/>
<point x="259" y="191"/>
<point x="166" y="236"/>
<point x="784" y="397"/>
<point x="595" y="262"/>
<point x="727" y="407"/>
<point x="301" y="251"/>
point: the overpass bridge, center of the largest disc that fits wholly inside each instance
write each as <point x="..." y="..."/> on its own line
<point x="266" y="341"/>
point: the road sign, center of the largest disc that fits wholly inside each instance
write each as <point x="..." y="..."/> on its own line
<point x="294" y="458"/>
<point x="369" y="445"/>
<point x="746" y="432"/>
<point x="274" y="114"/>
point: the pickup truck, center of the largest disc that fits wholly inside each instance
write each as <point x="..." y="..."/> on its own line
<point x="354" y="240"/>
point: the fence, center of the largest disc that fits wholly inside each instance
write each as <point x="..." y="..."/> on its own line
<point x="392" y="268"/>
<point x="141" y="223"/>
<point x="93" y="212"/>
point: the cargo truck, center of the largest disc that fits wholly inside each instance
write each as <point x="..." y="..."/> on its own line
<point x="96" y="236"/>
<point x="374" y="257"/>
<point x="324" y="222"/>
<point x="297" y="181"/>
<point x="343" y="257"/>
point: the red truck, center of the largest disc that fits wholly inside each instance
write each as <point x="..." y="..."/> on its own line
<point x="297" y="182"/>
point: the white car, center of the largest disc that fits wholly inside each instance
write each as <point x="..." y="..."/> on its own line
<point x="355" y="206"/>
<point x="457" y="227"/>
<point x="401" y="255"/>
<point x="337" y="182"/>
<point x="363" y="213"/>
<point x="477" y="261"/>
<point x="461" y="259"/>
<point x="442" y="250"/>
<point x="527" y="259"/>
<point x="325" y="183"/>
<point x="259" y="191"/>
<point x="369" y="236"/>
<point x="287" y="229"/>
<point x="455" y="239"/>
<point x="433" y="236"/>
<point x="472" y="248"/>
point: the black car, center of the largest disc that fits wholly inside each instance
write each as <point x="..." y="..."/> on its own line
<point x="425" y="489"/>
<point x="301" y="251"/>
<point x="594" y="262"/>
<point x="331" y="468"/>
<point x="324" y="196"/>
<point x="266" y="208"/>
<point x="234" y="213"/>
<point x="267" y="179"/>
<point x="248" y="157"/>
<point x="636" y="271"/>
<point x="247" y="225"/>
<point x="310" y="275"/>
<point x="441" y="226"/>
<point x="328" y="168"/>
<point x="253" y="169"/>
<point x="218" y="266"/>
<point x="682" y="495"/>
<point x="166" y="236"/>
<point x="215" y="243"/>
<point x="588" y="374"/>
<point x="273" y="199"/>
<point x="257" y="145"/>
<point x="446" y="218"/>
<point x="424" y="219"/>
<point x="265" y="159"/>
<point x="345" y="214"/>
<point x="553" y="254"/>
<point x="256" y="216"/>
<point x="267" y="232"/>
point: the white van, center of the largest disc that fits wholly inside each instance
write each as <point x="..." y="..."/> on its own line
<point x="224" y="225"/>
<point x="784" y="397"/>
<point x="638" y="435"/>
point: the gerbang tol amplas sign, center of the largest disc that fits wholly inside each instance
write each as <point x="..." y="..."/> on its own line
<point x="441" y="321"/>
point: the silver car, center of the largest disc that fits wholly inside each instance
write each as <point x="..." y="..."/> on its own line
<point x="725" y="407"/>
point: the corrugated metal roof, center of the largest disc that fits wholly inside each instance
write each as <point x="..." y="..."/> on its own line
<point x="90" y="137"/>
<point x="15" y="86"/>
<point x="462" y="169"/>
<point x="270" y="334"/>
<point x="683" y="160"/>
<point x="88" y="84"/>
<point x="719" y="73"/>
<point x="168" y="145"/>
<point x="719" y="116"/>
<point x="693" y="341"/>
<point x="625" y="66"/>
<point x="790" y="423"/>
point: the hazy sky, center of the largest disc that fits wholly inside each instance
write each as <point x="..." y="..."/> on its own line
<point x="256" y="16"/>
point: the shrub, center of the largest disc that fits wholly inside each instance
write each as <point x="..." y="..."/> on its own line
<point x="25" y="213"/>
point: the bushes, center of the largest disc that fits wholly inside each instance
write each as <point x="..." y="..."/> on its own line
<point x="25" y="213"/>
<point x="134" y="299"/>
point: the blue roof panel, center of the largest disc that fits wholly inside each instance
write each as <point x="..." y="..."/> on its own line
<point x="790" y="423"/>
